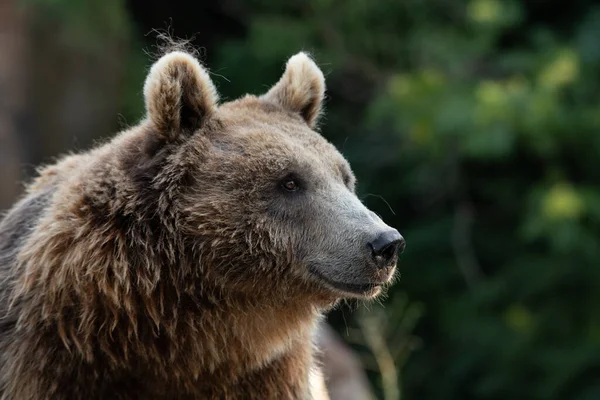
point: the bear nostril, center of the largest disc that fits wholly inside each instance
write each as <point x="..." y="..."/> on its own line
<point x="386" y="245"/>
<point x="389" y="252"/>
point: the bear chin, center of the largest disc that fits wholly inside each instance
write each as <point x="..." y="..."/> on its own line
<point x="362" y="290"/>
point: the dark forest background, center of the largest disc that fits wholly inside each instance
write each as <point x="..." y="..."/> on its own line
<point x="472" y="126"/>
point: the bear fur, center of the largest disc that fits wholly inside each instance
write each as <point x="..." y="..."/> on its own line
<point x="172" y="263"/>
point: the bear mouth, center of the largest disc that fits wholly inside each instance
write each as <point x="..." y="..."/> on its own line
<point x="367" y="289"/>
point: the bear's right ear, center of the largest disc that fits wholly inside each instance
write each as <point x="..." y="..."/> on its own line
<point x="301" y="89"/>
<point x="179" y="95"/>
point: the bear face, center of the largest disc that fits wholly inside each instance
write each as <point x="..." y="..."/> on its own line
<point x="267" y="202"/>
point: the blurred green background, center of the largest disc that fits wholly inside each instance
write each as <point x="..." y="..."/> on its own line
<point x="472" y="126"/>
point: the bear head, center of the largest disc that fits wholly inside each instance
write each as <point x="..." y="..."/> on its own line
<point x="258" y="200"/>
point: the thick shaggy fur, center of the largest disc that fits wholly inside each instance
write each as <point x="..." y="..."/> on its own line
<point x="160" y="265"/>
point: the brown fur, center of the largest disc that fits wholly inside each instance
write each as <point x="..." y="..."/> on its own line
<point x="150" y="267"/>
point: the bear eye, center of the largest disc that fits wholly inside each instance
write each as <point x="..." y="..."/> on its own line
<point x="290" y="184"/>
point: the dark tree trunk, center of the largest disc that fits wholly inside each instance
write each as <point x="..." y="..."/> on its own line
<point x="13" y="48"/>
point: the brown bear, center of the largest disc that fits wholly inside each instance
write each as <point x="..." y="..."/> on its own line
<point x="192" y="255"/>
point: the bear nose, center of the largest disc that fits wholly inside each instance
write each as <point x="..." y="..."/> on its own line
<point x="386" y="245"/>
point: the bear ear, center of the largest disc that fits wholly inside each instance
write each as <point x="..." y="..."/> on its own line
<point x="179" y="94"/>
<point x="301" y="89"/>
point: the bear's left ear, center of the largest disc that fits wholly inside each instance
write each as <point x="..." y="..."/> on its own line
<point x="301" y="89"/>
<point x="179" y="95"/>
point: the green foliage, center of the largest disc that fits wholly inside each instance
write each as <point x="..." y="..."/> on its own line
<point x="85" y="24"/>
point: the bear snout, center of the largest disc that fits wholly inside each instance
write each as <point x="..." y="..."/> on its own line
<point x="385" y="247"/>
